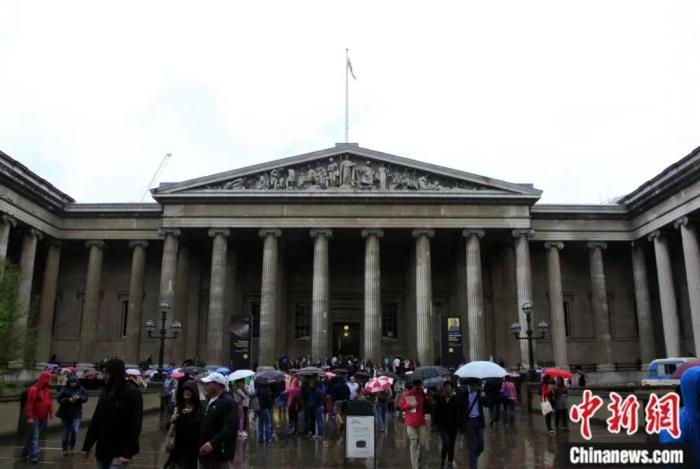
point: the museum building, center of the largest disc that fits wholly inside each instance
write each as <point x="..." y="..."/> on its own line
<point x="348" y="250"/>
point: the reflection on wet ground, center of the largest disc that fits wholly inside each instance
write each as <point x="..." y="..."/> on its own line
<point x="524" y="445"/>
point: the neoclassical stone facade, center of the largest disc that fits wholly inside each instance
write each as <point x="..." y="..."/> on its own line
<point x="350" y="250"/>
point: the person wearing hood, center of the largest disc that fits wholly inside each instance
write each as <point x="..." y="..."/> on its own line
<point x="37" y="409"/>
<point x="116" y="422"/>
<point x="689" y="417"/>
<point x="294" y="403"/>
<point x="186" y="421"/>
<point x="70" y="411"/>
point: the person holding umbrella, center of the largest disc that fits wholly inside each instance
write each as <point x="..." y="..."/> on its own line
<point x="547" y="398"/>
<point x="474" y="421"/>
<point x="415" y="403"/>
<point x="561" y="408"/>
<point x="446" y="419"/>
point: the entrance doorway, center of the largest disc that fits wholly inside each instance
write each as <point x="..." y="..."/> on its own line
<point x="346" y="338"/>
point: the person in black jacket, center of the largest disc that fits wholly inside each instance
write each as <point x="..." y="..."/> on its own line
<point x="186" y="421"/>
<point x="473" y="418"/>
<point x="217" y="435"/>
<point x="70" y="411"/>
<point x="116" y="423"/>
<point x="446" y="417"/>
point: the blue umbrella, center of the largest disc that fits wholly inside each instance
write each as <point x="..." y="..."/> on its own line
<point x="223" y="370"/>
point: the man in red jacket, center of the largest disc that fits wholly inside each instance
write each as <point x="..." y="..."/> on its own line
<point x="415" y="404"/>
<point x="38" y="409"/>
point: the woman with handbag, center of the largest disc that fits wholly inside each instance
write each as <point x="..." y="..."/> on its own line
<point x="182" y="441"/>
<point x="547" y="399"/>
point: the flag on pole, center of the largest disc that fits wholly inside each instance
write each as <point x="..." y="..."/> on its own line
<point x="350" y="69"/>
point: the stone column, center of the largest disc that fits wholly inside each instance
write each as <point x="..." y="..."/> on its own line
<point x="48" y="301"/>
<point x="641" y="298"/>
<point x="267" y="342"/>
<point x="475" y="296"/>
<point x="217" y="289"/>
<point x="599" y="300"/>
<point x="523" y="280"/>
<point x="135" y="323"/>
<point x="320" y="317"/>
<point x="6" y="223"/>
<point x="556" y="305"/>
<point x="667" y="295"/>
<point x="26" y="274"/>
<point x="691" y="255"/>
<point x="424" y="297"/>
<point x="91" y="301"/>
<point x="168" y="266"/>
<point x="373" y="296"/>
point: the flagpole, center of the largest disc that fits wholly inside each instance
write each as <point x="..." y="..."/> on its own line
<point x="347" y="125"/>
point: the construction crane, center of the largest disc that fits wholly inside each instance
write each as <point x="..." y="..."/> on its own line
<point x="161" y="166"/>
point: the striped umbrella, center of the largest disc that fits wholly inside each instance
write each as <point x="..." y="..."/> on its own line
<point x="378" y="384"/>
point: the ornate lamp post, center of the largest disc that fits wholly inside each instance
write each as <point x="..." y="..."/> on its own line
<point x="175" y="327"/>
<point x="515" y="328"/>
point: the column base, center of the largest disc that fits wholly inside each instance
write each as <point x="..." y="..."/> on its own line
<point x="605" y="367"/>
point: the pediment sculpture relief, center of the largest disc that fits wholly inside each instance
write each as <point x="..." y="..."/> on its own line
<point x="345" y="173"/>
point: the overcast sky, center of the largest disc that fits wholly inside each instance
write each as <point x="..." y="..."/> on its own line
<point x="586" y="100"/>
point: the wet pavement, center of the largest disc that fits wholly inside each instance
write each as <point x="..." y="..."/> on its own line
<point x="524" y="445"/>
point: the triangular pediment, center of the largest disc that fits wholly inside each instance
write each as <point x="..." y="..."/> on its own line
<point x="345" y="169"/>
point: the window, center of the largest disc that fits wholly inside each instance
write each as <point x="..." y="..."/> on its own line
<point x="124" y="305"/>
<point x="567" y="318"/>
<point x="255" y="314"/>
<point x="390" y="319"/>
<point x="302" y="321"/>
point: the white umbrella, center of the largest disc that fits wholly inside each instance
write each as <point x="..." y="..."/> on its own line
<point x="240" y="374"/>
<point x="481" y="370"/>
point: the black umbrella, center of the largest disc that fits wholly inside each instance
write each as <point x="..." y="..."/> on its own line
<point x="310" y="371"/>
<point x="340" y="371"/>
<point x="435" y="382"/>
<point x="362" y="374"/>
<point x="193" y="370"/>
<point x="426" y="372"/>
<point x="269" y="377"/>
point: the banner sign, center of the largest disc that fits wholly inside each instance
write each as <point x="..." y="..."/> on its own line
<point x="240" y="342"/>
<point x="451" y="341"/>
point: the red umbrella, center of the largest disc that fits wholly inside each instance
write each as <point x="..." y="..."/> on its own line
<point x="681" y="369"/>
<point x="557" y="373"/>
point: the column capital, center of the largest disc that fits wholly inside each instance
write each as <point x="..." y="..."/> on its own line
<point x="376" y="232"/>
<point x="554" y="245"/>
<point x="9" y="220"/>
<point x="655" y="235"/>
<point x="270" y="232"/>
<point x="141" y="243"/>
<point x="597" y="245"/>
<point x="682" y="221"/>
<point x="163" y="232"/>
<point x="213" y="232"/>
<point x="316" y="232"/>
<point x="53" y="242"/>
<point x="417" y="233"/>
<point x="527" y="232"/>
<point x="34" y="233"/>
<point x="469" y="232"/>
<point x="95" y="242"/>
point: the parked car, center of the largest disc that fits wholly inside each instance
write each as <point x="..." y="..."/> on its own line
<point x="661" y="371"/>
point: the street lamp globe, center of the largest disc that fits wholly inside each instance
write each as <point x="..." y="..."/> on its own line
<point x="150" y="325"/>
<point x="515" y="328"/>
<point x="176" y="327"/>
<point x="527" y="308"/>
<point x="543" y="326"/>
<point x="164" y="306"/>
